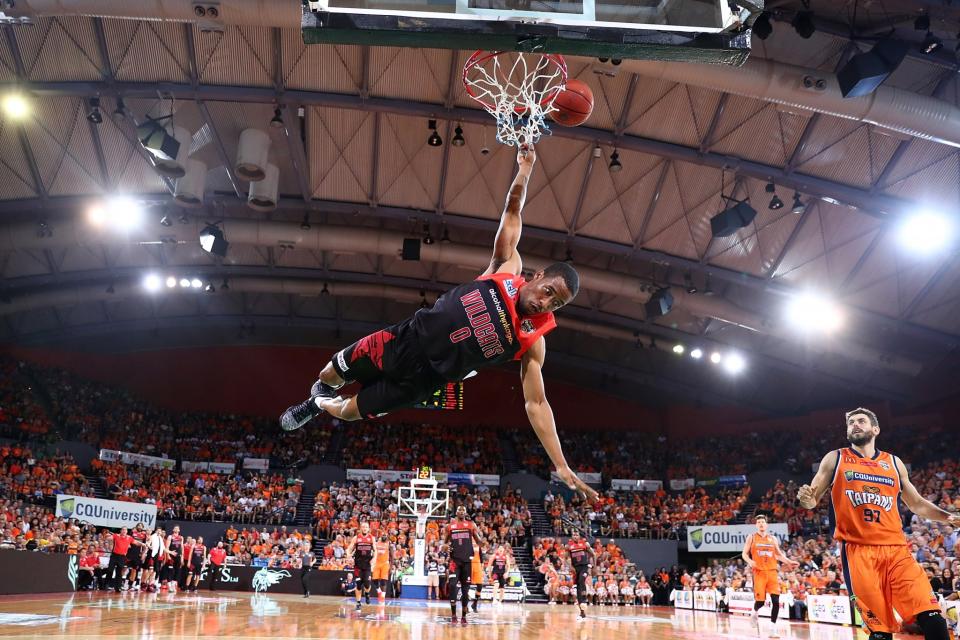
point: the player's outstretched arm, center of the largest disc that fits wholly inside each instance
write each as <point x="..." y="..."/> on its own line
<point x="782" y="556"/>
<point x="810" y="494"/>
<point x="505" y="258"/>
<point x="541" y="416"/>
<point x="920" y="505"/>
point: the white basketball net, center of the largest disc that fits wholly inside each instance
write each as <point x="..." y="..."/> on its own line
<point x="518" y="89"/>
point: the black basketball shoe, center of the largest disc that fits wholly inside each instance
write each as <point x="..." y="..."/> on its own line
<point x="299" y="414"/>
<point x="322" y="389"/>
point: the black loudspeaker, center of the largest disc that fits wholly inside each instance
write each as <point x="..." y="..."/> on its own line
<point x="729" y="221"/>
<point x="411" y="249"/>
<point x="864" y="72"/>
<point x="659" y="304"/>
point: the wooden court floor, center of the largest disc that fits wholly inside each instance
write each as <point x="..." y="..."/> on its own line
<point x="226" y="615"/>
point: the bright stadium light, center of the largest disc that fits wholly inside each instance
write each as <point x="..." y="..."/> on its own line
<point x="812" y="312"/>
<point x="678" y="349"/>
<point x="152" y="282"/>
<point x="697" y="353"/>
<point x="171" y="282"/>
<point x="715" y="357"/>
<point x="185" y="283"/>
<point x="15" y="106"/>
<point x="118" y="214"/>
<point x="734" y="363"/>
<point x="926" y="232"/>
<point x="196" y="283"/>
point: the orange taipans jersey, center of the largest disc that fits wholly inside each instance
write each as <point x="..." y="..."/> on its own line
<point x="763" y="551"/>
<point x="865" y="493"/>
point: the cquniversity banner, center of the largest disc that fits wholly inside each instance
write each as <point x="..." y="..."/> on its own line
<point x="106" y="513"/>
<point x="728" y="537"/>
<point x="626" y="484"/>
<point x="586" y="476"/>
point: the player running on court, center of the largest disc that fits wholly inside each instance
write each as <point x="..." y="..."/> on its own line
<point x="761" y="552"/>
<point x="881" y="574"/>
<point x="497" y="566"/>
<point x="582" y="557"/>
<point x="461" y="535"/>
<point x="381" y="569"/>
<point x="494" y="319"/>
<point x="363" y="548"/>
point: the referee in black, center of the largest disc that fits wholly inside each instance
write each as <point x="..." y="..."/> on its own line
<point x="307" y="560"/>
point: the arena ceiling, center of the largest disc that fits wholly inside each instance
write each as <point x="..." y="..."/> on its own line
<point x="357" y="175"/>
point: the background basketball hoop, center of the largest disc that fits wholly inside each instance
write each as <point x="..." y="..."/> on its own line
<point x="518" y="89"/>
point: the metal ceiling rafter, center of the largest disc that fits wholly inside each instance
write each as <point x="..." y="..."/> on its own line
<point x="584" y="184"/>
<point x="931" y="283"/>
<point x="791" y="239"/>
<point x="20" y="69"/>
<point x="875" y="204"/>
<point x="707" y="140"/>
<point x="666" y="163"/>
<point x="295" y="145"/>
<point x="447" y="104"/>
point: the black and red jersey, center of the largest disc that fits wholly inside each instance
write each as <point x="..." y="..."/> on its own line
<point x="363" y="549"/>
<point x="476" y="325"/>
<point x="499" y="563"/>
<point x="460" y="533"/>
<point x="579" y="554"/>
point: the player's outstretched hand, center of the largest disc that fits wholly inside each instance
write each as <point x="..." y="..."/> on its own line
<point x="806" y="497"/>
<point x="526" y="157"/>
<point x="954" y="519"/>
<point x="573" y="481"/>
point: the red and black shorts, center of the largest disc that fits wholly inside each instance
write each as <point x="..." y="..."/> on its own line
<point x="391" y="368"/>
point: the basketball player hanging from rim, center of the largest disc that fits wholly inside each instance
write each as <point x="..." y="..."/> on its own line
<point x="865" y="486"/>
<point x="463" y="538"/>
<point x="494" y="319"/>
<point x="582" y="557"/>
<point x="761" y="552"/>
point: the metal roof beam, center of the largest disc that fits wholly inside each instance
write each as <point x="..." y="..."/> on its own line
<point x="876" y="204"/>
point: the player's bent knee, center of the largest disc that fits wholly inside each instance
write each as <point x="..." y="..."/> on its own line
<point x="933" y="625"/>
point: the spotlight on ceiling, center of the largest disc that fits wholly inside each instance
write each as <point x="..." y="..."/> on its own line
<point x="16" y="107"/>
<point x="864" y="72"/>
<point x="427" y="236"/>
<point x="213" y="241"/>
<point x="305" y="225"/>
<point x="733" y="218"/>
<point x="803" y="24"/>
<point x="151" y="282"/>
<point x="445" y="236"/>
<point x="120" y="111"/>
<point x="811" y="312"/>
<point x="458" y="139"/>
<point x="171" y="282"/>
<point x="117" y="213"/>
<point x="799" y="206"/>
<point x="434" y="140"/>
<point x="678" y="349"/>
<point x="184" y="283"/>
<point x="659" y="304"/>
<point x="276" y="121"/>
<point x="166" y="221"/>
<point x="210" y="288"/>
<point x="164" y="145"/>
<point x="688" y="283"/>
<point x="196" y="283"/>
<point x="734" y="363"/>
<point x="93" y="114"/>
<point x="615" y="165"/>
<point x="926" y="232"/>
<point x="762" y="26"/>
<point x="775" y="201"/>
<point x="696" y="353"/>
<point x="715" y="357"/>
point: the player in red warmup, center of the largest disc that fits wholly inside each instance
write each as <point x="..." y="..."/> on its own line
<point x="881" y="574"/>
<point x="461" y="535"/>
<point x="494" y="319"/>
<point x="363" y="548"/>
<point x="582" y="557"/>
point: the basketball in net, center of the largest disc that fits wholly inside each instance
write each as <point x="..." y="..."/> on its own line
<point x="573" y="105"/>
<point x="518" y="89"/>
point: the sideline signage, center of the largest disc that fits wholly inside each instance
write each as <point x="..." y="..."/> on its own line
<point x="106" y="513"/>
<point x="832" y="609"/>
<point x="728" y="537"/>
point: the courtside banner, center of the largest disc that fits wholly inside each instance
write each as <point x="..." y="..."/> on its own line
<point x="110" y="455"/>
<point x="832" y="609"/>
<point x="683" y="599"/>
<point x="260" y="464"/>
<point x="705" y="600"/>
<point x="728" y="537"/>
<point x="742" y="602"/>
<point x="107" y="513"/>
<point x="625" y="484"/>
<point x="589" y="478"/>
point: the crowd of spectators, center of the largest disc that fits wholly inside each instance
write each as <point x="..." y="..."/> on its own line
<point x="21" y="415"/>
<point x="645" y="514"/>
<point x="37" y="478"/>
<point x="242" y="496"/>
<point x="611" y="573"/>
<point x="373" y="445"/>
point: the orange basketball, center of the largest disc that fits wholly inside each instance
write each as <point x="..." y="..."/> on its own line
<point x="574" y="104"/>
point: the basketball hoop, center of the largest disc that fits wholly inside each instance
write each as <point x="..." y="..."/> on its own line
<point x="518" y="89"/>
<point x="423" y="514"/>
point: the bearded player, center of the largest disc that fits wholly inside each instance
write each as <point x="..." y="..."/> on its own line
<point x="363" y="548"/>
<point x="881" y="574"/>
<point x="761" y="552"/>
<point x="582" y="558"/>
<point x="494" y="319"/>
<point x="463" y="538"/>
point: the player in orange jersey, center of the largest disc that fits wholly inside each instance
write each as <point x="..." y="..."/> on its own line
<point x="881" y="574"/>
<point x="476" y="577"/>
<point x="761" y="552"/>
<point x="381" y="570"/>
